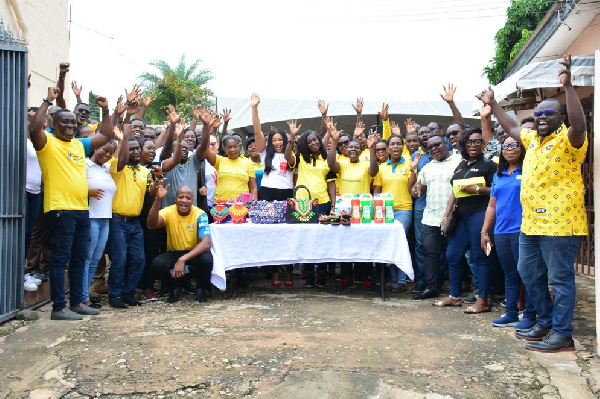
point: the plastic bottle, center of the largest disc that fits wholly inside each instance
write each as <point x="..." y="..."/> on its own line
<point x="379" y="214"/>
<point x="366" y="205"/>
<point x="355" y="210"/>
<point x="389" y="210"/>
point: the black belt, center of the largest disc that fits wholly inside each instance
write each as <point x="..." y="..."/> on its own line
<point x="127" y="219"/>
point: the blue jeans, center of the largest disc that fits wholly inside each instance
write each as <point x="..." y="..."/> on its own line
<point x="126" y="251"/>
<point x="468" y="233"/>
<point x="69" y="236"/>
<point x="404" y="217"/>
<point x="419" y="254"/>
<point x="507" y="248"/>
<point x="98" y="238"/>
<point x="32" y="211"/>
<point x="549" y="260"/>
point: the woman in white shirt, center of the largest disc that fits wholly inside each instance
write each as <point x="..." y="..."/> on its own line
<point x="101" y="190"/>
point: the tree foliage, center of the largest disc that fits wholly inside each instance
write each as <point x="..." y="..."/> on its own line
<point x="182" y="86"/>
<point x="94" y="108"/>
<point x="522" y="17"/>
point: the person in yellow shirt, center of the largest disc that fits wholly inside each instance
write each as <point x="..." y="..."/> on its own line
<point x="126" y="237"/>
<point x="554" y="213"/>
<point x="62" y="161"/>
<point x="397" y="177"/>
<point x="188" y="242"/>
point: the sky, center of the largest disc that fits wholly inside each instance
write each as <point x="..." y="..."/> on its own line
<point x="381" y="50"/>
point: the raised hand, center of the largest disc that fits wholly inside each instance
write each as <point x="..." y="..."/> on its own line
<point x="359" y="129"/>
<point x="53" y="93"/>
<point x="358" y="107"/>
<point x="63" y="68"/>
<point x="215" y="121"/>
<point x="127" y="129"/>
<point x="161" y="191"/>
<point x="117" y="133"/>
<point x="415" y="162"/>
<point x="132" y="107"/>
<point x="293" y="128"/>
<point x="196" y="112"/>
<point x="565" y="71"/>
<point x="205" y="115"/>
<point x="323" y="107"/>
<point x="372" y="139"/>
<point x="76" y="90"/>
<point x="448" y="94"/>
<point x="97" y="193"/>
<point x="409" y="124"/>
<point x="384" y="111"/>
<point x="332" y="128"/>
<point x="102" y="101"/>
<point x="395" y="128"/>
<point x="133" y="94"/>
<point x="120" y="108"/>
<point x="173" y="115"/>
<point x="148" y="99"/>
<point x="179" y="128"/>
<point x="486" y="96"/>
<point x="226" y="115"/>
<point x="486" y="111"/>
<point x="254" y="100"/>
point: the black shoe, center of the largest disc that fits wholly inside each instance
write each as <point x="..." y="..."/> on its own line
<point x="95" y="306"/>
<point x="130" y="300"/>
<point x="95" y="299"/>
<point x="426" y="294"/>
<point x="117" y="303"/>
<point x="418" y="288"/>
<point x="201" y="295"/>
<point x="188" y="287"/>
<point x="537" y="333"/>
<point x="163" y="292"/>
<point x="209" y="291"/>
<point x="174" y="295"/>
<point x="552" y="343"/>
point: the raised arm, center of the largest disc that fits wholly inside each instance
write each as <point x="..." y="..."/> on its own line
<point x="196" y="114"/>
<point x="510" y="126"/>
<point x="132" y="100"/>
<point x="77" y="91"/>
<point x="154" y="220"/>
<point x="486" y="123"/>
<point x="106" y="132"/>
<point x="174" y="118"/>
<point x="36" y="128"/>
<point x="358" y="107"/>
<point x="169" y="163"/>
<point x="373" y="164"/>
<point x="410" y="126"/>
<point x="259" y="137"/>
<point x="574" y="108"/>
<point x="207" y="119"/>
<point x="323" y="107"/>
<point x="383" y="114"/>
<point x="145" y="103"/>
<point x="289" y="153"/>
<point x="118" y="113"/>
<point x="123" y="151"/>
<point x="448" y="96"/>
<point x="334" y="165"/>
<point x="226" y="119"/>
<point x="60" y="83"/>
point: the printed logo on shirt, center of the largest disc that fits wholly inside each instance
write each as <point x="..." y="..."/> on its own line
<point x="541" y="210"/>
<point x="519" y="177"/>
<point x="203" y="227"/>
<point x="548" y="147"/>
<point x="75" y="158"/>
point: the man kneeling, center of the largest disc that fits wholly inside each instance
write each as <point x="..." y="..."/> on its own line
<point x="188" y="242"/>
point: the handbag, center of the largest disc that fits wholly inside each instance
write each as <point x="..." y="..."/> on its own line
<point x="302" y="210"/>
<point x="268" y="212"/>
<point x="450" y="224"/>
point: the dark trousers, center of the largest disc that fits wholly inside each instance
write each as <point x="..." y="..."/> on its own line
<point x="434" y="247"/>
<point x="34" y="201"/>
<point x="39" y="252"/>
<point x="155" y="241"/>
<point x="69" y="236"/>
<point x="200" y="267"/>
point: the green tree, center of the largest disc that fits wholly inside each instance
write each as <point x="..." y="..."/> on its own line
<point x="182" y="86"/>
<point x="522" y="17"/>
<point x="94" y="108"/>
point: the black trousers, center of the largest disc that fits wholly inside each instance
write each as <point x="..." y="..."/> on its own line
<point x="433" y="245"/>
<point x="200" y="267"/>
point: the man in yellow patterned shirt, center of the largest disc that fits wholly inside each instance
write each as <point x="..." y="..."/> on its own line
<point x="554" y="216"/>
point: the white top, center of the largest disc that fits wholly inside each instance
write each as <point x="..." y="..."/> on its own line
<point x="280" y="177"/>
<point x="210" y="177"/>
<point x="100" y="177"/>
<point x="33" y="183"/>
<point x="436" y="176"/>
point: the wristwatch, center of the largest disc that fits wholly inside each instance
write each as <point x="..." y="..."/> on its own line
<point x="48" y="101"/>
<point x="476" y="189"/>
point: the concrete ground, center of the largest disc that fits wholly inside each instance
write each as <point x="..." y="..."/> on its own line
<point x="292" y="343"/>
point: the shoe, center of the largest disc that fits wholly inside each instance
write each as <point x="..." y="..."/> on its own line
<point x="482" y="305"/>
<point x="149" y="295"/>
<point x="367" y="284"/>
<point x="29" y="284"/>
<point x="39" y="275"/>
<point x="426" y="294"/>
<point x="505" y="321"/>
<point x="84" y="310"/>
<point x="65" y="314"/>
<point x="117" y="303"/>
<point x="309" y="284"/>
<point x="343" y="282"/>
<point x="37" y="281"/>
<point x="163" y="292"/>
<point x="320" y="283"/>
<point x="174" y="295"/>
<point x="289" y="283"/>
<point x="129" y="300"/>
<point x="101" y="289"/>
<point x="95" y="306"/>
<point x="526" y="324"/>
<point x="95" y="299"/>
<point x="418" y="288"/>
<point x="552" y="343"/>
<point x="276" y="283"/>
<point x="397" y="288"/>
<point x="472" y="297"/>
<point x="537" y="333"/>
<point x="201" y="295"/>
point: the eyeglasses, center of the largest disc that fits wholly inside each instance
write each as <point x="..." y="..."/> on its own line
<point x="434" y="145"/>
<point x="547" y="112"/>
<point x="380" y="149"/>
<point x="477" y="142"/>
<point x="214" y="143"/>
<point x="509" y="145"/>
<point x="453" y="133"/>
<point x="341" y="143"/>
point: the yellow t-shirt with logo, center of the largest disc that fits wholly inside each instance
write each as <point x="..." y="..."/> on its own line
<point x="313" y="175"/>
<point x="233" y="176"/>
<point x="394" y="180"/>
<point x="552" y="190"/>
<point x="63" y="174"/>
<point x="132" y="183"/>
<point x="354" y="178"/>
<point x="184" y="232"/>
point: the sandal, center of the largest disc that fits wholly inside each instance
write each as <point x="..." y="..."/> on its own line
<point x="276" y="283"/>
<point x="335" y="220"/>
<point x="481" y="306"/>
<point x="448" y="302"/>
<point x="345" y="221"/>
<point x="289" y="283"/>
<point x="324" y="219"/>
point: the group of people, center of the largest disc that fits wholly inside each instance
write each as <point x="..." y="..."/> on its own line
<point x="143" y="195"/>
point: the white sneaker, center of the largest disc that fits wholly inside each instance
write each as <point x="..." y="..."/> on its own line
<point x="29" y="284"/>
<point x="37" y="281"/>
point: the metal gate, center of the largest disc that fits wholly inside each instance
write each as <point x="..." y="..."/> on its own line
<point x="13" y="125"/>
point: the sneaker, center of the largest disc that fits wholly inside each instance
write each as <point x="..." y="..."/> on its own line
<point x="321" y="282"/>
<point x="505" y="321"/>
<point x="65" y="314"/>
<point x="526" y="324"/>
<point x="163" y="292"/>
<point x="149" y="295"/>
<point x="117" y="303"/>
<point x="418" y="288"/>
<point x="38" y="277"/>
<point x="84" y="310"/>
<point x="129" y="300"/>
<point x="472" y="297"/>
<point x="29" y="284"/>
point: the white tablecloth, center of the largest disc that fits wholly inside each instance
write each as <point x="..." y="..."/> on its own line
<point x="245" y="245"/>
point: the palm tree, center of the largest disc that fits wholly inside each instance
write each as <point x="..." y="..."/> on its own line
<point x="186" y="74"/>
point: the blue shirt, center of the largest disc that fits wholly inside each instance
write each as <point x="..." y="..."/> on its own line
<point x="421" y="202"/>
<point x="509" y="212"/>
